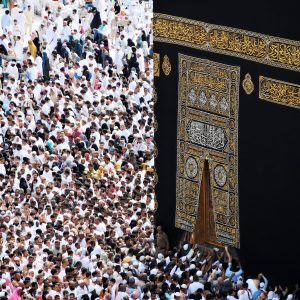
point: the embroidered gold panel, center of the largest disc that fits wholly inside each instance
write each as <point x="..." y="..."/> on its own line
<point x="156" y="64"/>
<point x="248" y="45"/>
<point x="279" y="92"/>
<point x="207" y="129"/>
<point x="166" y="65"/>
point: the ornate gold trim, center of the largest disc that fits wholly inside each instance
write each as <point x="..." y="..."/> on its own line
<point x="247" y="84"/>
<point x="269" y="50"/>
<point x="154" y="95"/>
<point x="156" y="64"/>
<point x="279" y="92"/>
<point x="166" y="65"/>
<point x="207" y="128"/>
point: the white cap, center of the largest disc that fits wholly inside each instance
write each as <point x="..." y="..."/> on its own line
<point x="135" y="263"/>
<point x="185" y="247"/>
<point x="160" y="256"/>
<point x="125" y="265"/>
<point x="2" y="281"/>
<point x="56" y="169"/>
<point x="184" y="286"/>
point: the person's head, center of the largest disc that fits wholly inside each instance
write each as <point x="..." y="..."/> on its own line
<point x="263" y="295"/>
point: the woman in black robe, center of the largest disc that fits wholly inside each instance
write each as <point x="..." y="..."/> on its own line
<point x="36" y="40"/>
<point x="46" y="66"/>
<point x="96" y="22"/>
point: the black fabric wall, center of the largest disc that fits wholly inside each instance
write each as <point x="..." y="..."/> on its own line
<point x="268" y="144"/>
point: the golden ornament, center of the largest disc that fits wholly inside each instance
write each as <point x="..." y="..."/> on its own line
<point x="247" y="84"/>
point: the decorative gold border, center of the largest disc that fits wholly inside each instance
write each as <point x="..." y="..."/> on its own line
<point x="269" y="50"/>
<point x="211" y="77"/>
<point x="279" y="92"/>
<point x="156" y="64"/>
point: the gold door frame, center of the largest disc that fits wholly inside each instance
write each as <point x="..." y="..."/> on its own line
<point x="207" y="128"/>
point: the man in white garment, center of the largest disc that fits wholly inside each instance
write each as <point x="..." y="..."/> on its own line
<point x="12" y="70"/>
<point x="28" y="19"/>
<point x="15" y="12"/>
<point x="5" y="21"/>
<point x="16" y="30"/>
<point x="52" y="37"/>
<point x="65" y="32"/>
<point x="75" y="20"/>
<point x="21" y="22"/>
<point x="119" y="58"/>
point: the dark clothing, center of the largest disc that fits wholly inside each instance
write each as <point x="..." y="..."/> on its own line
<point x="46" y="66"/>
<point x="37" y="43"/>
<point x="96" y="22"/>
<point x="78" y="48"/>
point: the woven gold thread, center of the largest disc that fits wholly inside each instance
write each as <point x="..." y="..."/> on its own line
<point x="248" y="85"/>
<point x="156" y="64"/>
<point x="207" y="128"/>
<point x="279" y="92"/>
<point x="166" y="65"/>
<point x="274" y="51"/>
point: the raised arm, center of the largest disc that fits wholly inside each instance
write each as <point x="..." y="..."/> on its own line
<point x="265" y="282"/>
<point x="228" y="254"/>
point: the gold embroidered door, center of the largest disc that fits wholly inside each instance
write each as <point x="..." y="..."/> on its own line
<point x="207" y="151"/>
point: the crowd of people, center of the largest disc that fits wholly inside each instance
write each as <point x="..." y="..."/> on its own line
<point x="77" y="164"/>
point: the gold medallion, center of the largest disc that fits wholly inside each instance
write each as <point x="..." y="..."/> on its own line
<point x="166" y="66"/>
<point x="248" y="85"/>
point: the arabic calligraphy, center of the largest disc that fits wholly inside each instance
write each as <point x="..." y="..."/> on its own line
<point x="156" y="64"/>
<point x="279" y="92"/>
<point x="238" y="43"/>
<point x="207" y="135"/>
<point x="229" y="41"/>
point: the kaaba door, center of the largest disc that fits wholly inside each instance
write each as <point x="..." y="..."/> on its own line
<point x="207" y="130"/>
<point x="204" y="232"/>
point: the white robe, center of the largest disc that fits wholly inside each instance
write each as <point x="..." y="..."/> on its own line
<point x="21" y="24"/>
<point x="52" y="39"/>
<point x="39" y="62"/>
<point x="15" y="13"/>
<point x="75" y="22"/>
<point x="119" y="60"/>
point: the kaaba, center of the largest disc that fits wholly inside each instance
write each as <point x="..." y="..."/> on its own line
<point x="227" y="112"/>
